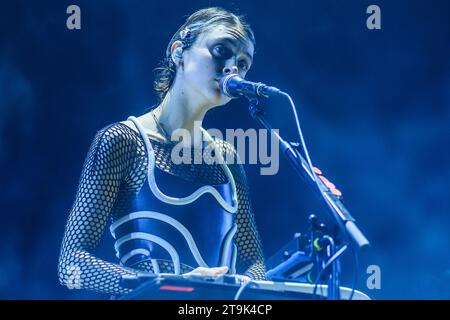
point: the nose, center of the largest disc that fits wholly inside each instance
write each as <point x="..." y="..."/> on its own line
<point x="230" y="70"/>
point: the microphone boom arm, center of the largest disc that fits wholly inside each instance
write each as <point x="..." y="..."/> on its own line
<point x="340" y="214"/>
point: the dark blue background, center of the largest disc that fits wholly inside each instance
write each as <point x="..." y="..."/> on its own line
<point x="374" y="106"/>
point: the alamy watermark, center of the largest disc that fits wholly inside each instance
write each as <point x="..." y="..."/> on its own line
<point x="374" y="278"/>
<point x="252" y="147"/>
<point x="258" y="141"/>
<point x="373" y="22"/>
<point x="74" y="20"/>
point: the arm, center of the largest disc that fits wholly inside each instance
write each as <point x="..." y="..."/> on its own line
<point x="250" y="257"/>
<point x="104" y="170"/>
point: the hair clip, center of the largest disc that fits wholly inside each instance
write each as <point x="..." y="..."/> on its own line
<point x="185" y="33"/>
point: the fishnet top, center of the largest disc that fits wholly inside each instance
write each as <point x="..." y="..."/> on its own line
<point x="113" y="173"/>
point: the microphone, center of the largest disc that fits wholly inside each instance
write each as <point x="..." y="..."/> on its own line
<point x="234" y="86"/>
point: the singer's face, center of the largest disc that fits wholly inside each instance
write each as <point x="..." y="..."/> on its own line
<point x="214" y="53"/>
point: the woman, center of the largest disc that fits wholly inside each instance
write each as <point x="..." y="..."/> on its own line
<point x="167" y="217"/>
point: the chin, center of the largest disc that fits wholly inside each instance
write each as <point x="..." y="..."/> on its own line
<point x="223" y="101"/>
<point x="217" y="98"/>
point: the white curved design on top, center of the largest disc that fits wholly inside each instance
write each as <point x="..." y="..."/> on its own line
<point x="132" y="253"/>
<point x="163" y="243"/>
<point x="155" y="266"/>
<point x="227" y="244"/>
<point x="169" y="220"/>
<point x="233" y="260"/>
<point x="196" y="194"/>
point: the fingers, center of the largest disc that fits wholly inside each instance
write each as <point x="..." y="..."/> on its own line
<point x="242" y="279"/>
<point x="201" y="271"/>
<point x="217" y="271"/>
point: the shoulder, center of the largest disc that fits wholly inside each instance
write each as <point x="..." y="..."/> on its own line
<point x="151" y="134"/>
<point x="129" y="124"/>
<point x="117" y="137"/>
<point x="118" y="131"/>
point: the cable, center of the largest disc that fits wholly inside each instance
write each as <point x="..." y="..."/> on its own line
<point x="355" y="272"/>
<point x="305" y="149"/>
<point x="300" y="133"/>
<point x="303" y="144"/>
<point x="327" y="264"/>
<point x="316" y="283"/>
<point x="245" y="284"/>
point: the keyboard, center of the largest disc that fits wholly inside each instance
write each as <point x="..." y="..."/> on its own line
<point x="225" y="287"/>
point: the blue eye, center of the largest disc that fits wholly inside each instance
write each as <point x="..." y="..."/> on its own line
<point x="243" y="66"/>
<point x="222" y="52"/>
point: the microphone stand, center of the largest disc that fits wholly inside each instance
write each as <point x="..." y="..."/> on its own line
<point x="337" y="210"/>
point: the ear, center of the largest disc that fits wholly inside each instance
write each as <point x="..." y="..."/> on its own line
<point x="176" y="51"/>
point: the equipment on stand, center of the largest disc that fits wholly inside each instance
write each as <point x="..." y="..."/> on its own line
<point x="305" y="259"/>
<point x="340" y="214"/>
<point x="292" y="262"/>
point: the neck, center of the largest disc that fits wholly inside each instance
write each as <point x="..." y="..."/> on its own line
<point x="178" y="111"/>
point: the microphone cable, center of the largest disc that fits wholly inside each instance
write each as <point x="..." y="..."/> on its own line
<point x="300" y="133"/>
<point x="306" y="152"/>
<point x="244" y="285"/>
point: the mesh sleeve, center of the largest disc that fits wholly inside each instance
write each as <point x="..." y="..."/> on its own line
<point x="104" y="171"/>
<point x="250" y="256"/>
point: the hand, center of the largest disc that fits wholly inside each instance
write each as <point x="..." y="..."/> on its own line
<point x="242" y="279"/>
<point x="329" y="185"/>
<point x="202" y="271"/>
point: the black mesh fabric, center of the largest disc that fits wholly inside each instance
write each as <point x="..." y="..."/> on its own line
<point x="114" y="171"/>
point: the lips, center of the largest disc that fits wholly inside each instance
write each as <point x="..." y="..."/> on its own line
<point x="217" y="81"/>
